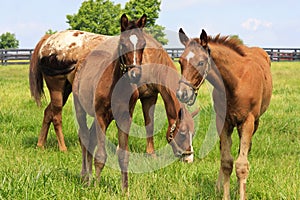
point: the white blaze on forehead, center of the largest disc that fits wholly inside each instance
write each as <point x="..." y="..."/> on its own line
<point x="134" y="40"/>
<point x="189" y="56"/>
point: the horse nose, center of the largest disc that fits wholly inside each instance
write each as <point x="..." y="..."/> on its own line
<point x="181" y="94"/>
<point x="179" y="153"/>
<point x="135" y="74"/>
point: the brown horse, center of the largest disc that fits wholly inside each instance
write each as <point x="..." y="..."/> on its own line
<point x="242" y="84"/>
<point x="103" y="89"/>
<point x="54" y="60"/>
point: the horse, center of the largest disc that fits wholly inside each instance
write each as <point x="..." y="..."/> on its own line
<point x="54" y="60"/>
<point x="242" y="81"/>
<point x="105" y="87"/>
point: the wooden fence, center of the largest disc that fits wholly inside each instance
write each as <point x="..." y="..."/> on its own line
<point x="276" y="54"/>
<point x="15" y="56"/>
<point x="22" y="56"/>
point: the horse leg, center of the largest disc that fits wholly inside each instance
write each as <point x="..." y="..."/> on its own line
<point x="83" y="135"/>
<point x="48" y="117"/>
<point x="226" y="157"/>
<point x="56" y="87"/>
<point x="45" y="127"/>
<point x="246" y="131"/>
<point x="148" y="105"/>
<point x="123" y="124"/>
<point x="100" y="154"/>
<point x="123" y="157"/>
<point x="56" y="106"/>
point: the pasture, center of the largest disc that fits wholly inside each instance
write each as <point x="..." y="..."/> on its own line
<point x="30" y="173"/>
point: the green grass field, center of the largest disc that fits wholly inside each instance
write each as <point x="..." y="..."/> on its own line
<point x="30" y="173"/>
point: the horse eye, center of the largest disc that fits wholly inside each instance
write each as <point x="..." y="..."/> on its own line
<point x="123" y="46"/>
<point x="201" y="63"/>
<point x="143" y="44"/>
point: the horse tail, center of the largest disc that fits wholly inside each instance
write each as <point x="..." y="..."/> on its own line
<point x="35" y="73"/>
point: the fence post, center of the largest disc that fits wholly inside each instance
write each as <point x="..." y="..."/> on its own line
<point x="1" y="56"/>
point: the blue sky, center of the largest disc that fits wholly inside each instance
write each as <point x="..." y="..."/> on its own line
<point x="258" y="23"/>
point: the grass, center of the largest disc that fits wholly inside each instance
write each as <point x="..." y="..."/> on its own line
<point x="30" y="173"/>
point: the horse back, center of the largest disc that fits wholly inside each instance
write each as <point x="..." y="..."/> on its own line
<point x="61" y="51"/>
<point x="261" y="69"/>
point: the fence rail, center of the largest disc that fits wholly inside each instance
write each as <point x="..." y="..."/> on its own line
<point x="15" y="56"/>
<point x="276" y="54"/>
<point x="22" y="56"/>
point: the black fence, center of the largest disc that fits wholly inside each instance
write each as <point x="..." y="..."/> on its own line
<point x="22" y="56"/>
<point x="15" y="56"/>
<point x="276" y="54"/>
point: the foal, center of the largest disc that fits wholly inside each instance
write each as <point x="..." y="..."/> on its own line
<point x="54" y="60"/>
<point x="242" y="82"/>
<point x="103" y="89"/>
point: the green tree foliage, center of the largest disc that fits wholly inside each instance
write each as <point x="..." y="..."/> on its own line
<point x="97" y="16"/>
<point x="8" y="40"/>
<point x="238" y="38"/>
<point x="50" y="31"/>
<point x="136" y="8"/>
<point x="103" y="17"/>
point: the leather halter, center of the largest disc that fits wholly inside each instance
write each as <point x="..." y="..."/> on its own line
<point x="124" y="68"/>
<point x="171" y="138"/>
<point x="172" y="130"/>
<point x="196" y="88"/>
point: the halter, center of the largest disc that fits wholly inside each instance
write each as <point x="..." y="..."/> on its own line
<point x="171" y="138"/>
<point x="123" y="66"/>
<point x="172" y="130"/>
<point x="196" y="88"/>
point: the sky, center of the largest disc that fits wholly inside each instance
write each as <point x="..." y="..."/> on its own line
<point x="262" y="23"/>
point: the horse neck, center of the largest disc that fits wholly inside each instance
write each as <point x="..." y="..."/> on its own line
<point x="163" y="74"/>
<point x="224" y="74"/>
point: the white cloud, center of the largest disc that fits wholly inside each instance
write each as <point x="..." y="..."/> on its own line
<point x="254" y="24"/>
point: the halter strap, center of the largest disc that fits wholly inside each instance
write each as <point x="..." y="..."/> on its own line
<point x="123" y="66"/>
<point x="196" y="88"/>
<point x="172" y="130"/>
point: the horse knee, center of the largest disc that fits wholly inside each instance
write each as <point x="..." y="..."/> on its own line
<point x="227" y="166"/>
<point x="242" y="168"/>
<point x="57" y="121"/>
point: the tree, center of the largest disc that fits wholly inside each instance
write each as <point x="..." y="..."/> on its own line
<point x="97" y="16"/>
<point x="8" y="40"/>
<point x="50" y="32"/>
<point x="136" y="8"/>
<point x="237" y="38"/>
<point x="103" y="17"/>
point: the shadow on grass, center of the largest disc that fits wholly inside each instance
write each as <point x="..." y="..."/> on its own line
<point x="51" y="143"/>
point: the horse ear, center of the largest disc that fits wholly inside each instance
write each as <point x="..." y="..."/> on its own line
<point x="142" y="21"/>
<point x="203" y="38"/>
<point x="182" y="36"/>
<point x="124" y="22"/>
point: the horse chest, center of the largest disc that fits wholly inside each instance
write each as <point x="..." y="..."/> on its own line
<point x="145" y="91"/>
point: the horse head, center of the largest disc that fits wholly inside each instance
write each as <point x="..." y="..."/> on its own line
<point x="131" y="47"/>
<point x="195" y="63"/>
<point x="181" y="133"/>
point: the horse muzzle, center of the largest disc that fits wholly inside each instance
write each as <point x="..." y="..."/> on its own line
<point x="134" y="74"/>
<point x="186" y="95"/>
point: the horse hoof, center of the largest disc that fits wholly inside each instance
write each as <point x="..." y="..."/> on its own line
<point x="39" y="146"/>
<point x="152" y="155"/>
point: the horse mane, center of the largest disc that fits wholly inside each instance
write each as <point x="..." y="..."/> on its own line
<point x="161" y="56"/>
<point x="230" y="42"/>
